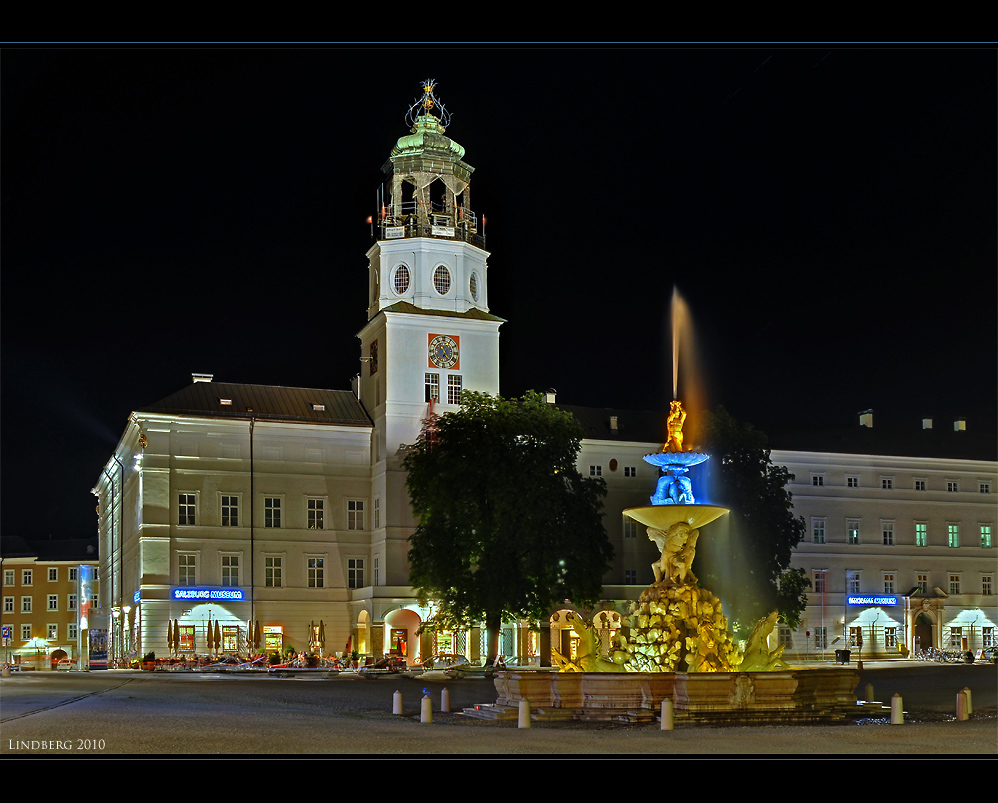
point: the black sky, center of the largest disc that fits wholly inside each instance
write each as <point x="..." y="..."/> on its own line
<point x="828" y="213"/>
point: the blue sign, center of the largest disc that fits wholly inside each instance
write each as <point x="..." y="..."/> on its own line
<point x="137" y="596"/>
<point x="858" y="599"/>
<point x="209" y="594"/>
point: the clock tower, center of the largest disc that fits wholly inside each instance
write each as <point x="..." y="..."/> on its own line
<point x="429" y="335"/>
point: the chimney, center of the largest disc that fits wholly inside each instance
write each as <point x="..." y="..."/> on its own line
<point x="926" y="423"/>
<point x="866" y="418"/>
<point x="613" y="424"/>
<point x="960" y="425"/>
<point x="550" y="395"/>
<point x="202" y="377"/>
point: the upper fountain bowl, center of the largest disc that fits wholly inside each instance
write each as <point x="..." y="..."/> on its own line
<point x="676" y="460"/>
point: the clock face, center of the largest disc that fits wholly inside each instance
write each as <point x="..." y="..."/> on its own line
<point x="444" y="351"/>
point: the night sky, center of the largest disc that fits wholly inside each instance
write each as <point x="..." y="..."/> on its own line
<point x="827" y="213"/>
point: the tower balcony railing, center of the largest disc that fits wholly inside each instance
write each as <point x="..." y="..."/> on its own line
<point x="409" y="220"/>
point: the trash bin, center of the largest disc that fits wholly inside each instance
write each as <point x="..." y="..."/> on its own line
<point x="842" y="656"/>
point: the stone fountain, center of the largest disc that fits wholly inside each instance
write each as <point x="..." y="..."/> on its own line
<point x="676" y="643"/>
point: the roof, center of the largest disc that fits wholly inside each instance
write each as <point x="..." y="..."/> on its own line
<point x="473" y="314"/>
<point x="51" y="549"/>
<point x="264" y="402"/>
<point x="940" y="442"/>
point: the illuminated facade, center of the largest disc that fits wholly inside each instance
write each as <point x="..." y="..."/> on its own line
<point x="45" y="593"/>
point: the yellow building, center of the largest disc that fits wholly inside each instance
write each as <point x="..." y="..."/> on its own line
<point x="43" y="595"/>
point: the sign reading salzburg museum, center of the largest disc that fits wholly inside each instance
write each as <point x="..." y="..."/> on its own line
<point x="209" y="594"/>
<point x="856" y="599"/>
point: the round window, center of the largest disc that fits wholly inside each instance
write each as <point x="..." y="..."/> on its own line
<point x="441" y="280"/>
<point x="474" y="286"/>
<point x="401" y="280"/>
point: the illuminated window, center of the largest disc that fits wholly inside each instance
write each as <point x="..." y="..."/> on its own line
<point x="921" y="533"/>
<point x="887" y="529"/>
<point x="230" y="511"/>
<point x="230" y="639"/>
<point x="432" y="383"/>
<point x="986" y="536"/>
<point x="272" y="511"/>
<point x="187" y="565"/>
<point x="454" y="389"/>
<point x="355" y="514"/>
<point x="316" y="573"/>
<point x="852" y="531"/>
<point x="187" y="509"/>
<point x="355" y="572"/>
<point x="315" y="509"/>
<point x="186" y="638"/>
<point x="953" y="535"/>
<point x="273" y="571"/>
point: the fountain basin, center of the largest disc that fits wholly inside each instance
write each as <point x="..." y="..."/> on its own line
<point x="795" y="695"/>
<point x="662" y="517"/>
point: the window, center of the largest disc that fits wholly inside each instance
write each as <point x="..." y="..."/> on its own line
<point x="887" y="483"/>
<point x="887" y="529"/>
<point x="432" y="383"/>
<point x="852" y="531"/>
<point x="853" y="582"/>
<point x="72" y="602"/>
<point x="72" y="574"/>
<point x="855" y="636"/>
<point x="888" y="582"/>
<point x="441" y="280"/>
<point x="187" y="509"/>
<point x="852" y="481"/>
<point x="821" y="638"/>
<point x="355" y="514"/>
<point x="985" y="487"/>
<point x="454" y="389"/>
<point x="987" y="585"/>
<point x="230" y="511"/>
<point x="377" y="513"/>
<point x="890" y="638"/>
<point x="8" y="577"/>
<point x="355" y="572"/>
<point x="473" y="286"/>
<point x="921" y="533"/>
<point x="956" y="638"/>
<point x="922" y="582"/>
<point x="187" y="565"/>
<point x="273" y="571"/>
<point x="230" y="570"/>
<point x="630" y="528"/>
<point x="987" y="636"/>
<point x="952" y="486"/>
<point x="52" y="630"/>
<point x="230" y="639"/>
<point x="315" y="509"/>
<point x="53" y="575"/>
<point x="953" y="535"/>
<point x="25" y="604"/>
<point x="316" y="572"/>
<point x="786" y="637"/>
<point x="919" y="485"/>
<point x="954" y="584"/>
<point x="630" y="577"/>
<point x="986" y="536"/>
<point x="400" y="281"/>
<point x="817" y="531"/>
<point x="377" y="572"/>
<point x="26" y="577"/>
<point x="819" y="581"/>
<point x="595" y="471"/>
<point x="53" y="602"/>
<point x="72" y="631"/>
<point x="25" y="632"/>
<point x="817" y="480"/>
<point x="8" y="604"/>
<point x="630" y="471"/>
<point x="272" y="511"/>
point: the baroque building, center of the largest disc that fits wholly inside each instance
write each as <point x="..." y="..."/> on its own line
<point x="282" y="512"/>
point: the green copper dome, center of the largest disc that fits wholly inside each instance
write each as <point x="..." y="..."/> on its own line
<point x="427" y="135"/>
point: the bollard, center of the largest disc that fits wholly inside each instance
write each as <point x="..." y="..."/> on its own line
<point x="397" y="703"/>
<point x="962" y="706"/>
<point x="5" y="672"/>
<point x="524" y="718"/>
<point x="667" y="714"/>
<point x="869" y="692"/>
<point x="426" y="709"/>
<point x="970" y="704"/>
<point x="445" y="701"/>
<point x="897" y="710"/>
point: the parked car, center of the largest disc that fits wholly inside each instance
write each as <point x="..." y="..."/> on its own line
<point x="444" y="661"/>
<point x="990" y="654"/>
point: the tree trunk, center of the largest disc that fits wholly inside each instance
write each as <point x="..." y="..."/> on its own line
<point x="493" y="628"/>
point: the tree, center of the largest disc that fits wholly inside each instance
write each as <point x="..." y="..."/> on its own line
<point x="748" y="565"/>
<point x="507" y="525"/>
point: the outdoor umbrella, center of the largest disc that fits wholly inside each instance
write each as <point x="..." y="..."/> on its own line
<point x="176" y="635"/>
<point x="218" y="637"/>
<point x="311" y="634"/>
<point x="257" y="636"/>
<point x="169" y="635"/>
<point x="249" y="635"/>
<point x="322" y="636"/>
